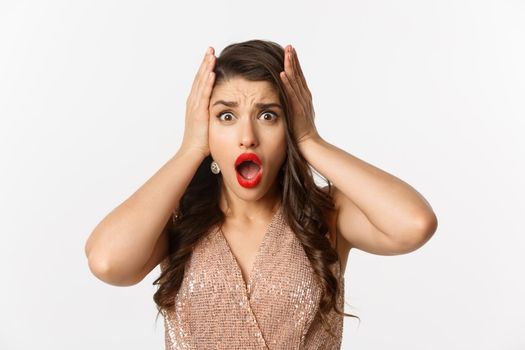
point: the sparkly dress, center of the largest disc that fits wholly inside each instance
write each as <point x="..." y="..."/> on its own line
<point x="276" y="309"/>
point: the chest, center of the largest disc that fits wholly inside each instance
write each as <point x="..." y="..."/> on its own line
<point x="280" y="295"/>
<point x="246" y="244"/>
<point x="245" y="249"/>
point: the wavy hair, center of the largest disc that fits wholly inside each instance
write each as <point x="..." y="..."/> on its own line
<point x="304" y="204"/>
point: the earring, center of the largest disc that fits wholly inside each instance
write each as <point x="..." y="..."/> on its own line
<point x="215" y="167"/>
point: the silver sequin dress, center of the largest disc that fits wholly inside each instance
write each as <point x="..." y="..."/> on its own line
<point x="276" y="309"/>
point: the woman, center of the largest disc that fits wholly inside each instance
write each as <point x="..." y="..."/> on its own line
<point x="252" y="252"/>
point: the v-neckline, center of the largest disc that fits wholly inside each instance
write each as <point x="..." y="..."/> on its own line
<point x="248" y="284"/>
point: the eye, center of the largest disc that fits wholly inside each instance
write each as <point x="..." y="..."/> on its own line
<point x="269" y="113"/>
<point x="220" y="115"/>
<point x="224" y="113"/>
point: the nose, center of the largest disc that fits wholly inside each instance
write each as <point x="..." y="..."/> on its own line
<point x="248" y="134"/>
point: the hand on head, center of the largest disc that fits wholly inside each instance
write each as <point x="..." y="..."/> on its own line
<point x="300" y="97"/>
<point x="197" y="104"/>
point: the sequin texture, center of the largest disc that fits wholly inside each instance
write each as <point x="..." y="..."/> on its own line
<point x="278" y="308"/>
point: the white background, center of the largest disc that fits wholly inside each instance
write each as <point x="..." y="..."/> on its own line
<point x="92" y="103"/>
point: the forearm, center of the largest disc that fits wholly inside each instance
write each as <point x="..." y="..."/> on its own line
<point x="124" y="240"/>
<point x="392" y="205"/>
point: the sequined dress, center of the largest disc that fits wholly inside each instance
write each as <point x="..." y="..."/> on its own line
<point x="277" y="309"/>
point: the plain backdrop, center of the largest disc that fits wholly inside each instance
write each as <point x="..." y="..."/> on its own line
<point x="92" y="103"/>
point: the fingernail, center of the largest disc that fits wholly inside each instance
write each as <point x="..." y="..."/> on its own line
<point x="208" y="51"/>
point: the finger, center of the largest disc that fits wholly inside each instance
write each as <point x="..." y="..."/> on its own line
<point x="292" y="75"/>
<point x="202" y="65"/>
<point x="205" y="60"/>
<point x="289" y="89"/>
<point x="298" y="77"/>
<point x="200" y="71"/>
<point x="207" y="89"/>
<point x="288" y="64"/>
<point x="300" y="73"/>
<point x="204" y="82"/>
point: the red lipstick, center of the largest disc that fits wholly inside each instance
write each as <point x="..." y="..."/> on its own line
<point x="256" y="178"/>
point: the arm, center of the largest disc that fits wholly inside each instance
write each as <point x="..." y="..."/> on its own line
<point x="131" y="238"/>
<point x="377" y="212"/>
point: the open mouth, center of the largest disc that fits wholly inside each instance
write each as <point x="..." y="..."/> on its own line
<point x="248" y="169"/>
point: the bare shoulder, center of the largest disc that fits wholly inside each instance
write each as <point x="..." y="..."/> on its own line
<point x="341" y="245"/>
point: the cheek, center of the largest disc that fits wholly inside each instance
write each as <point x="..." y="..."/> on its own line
<point x="281" y="140"/>
<point x="215" y="133"/>
<point x="279" y="149"/>
<point x="220" y="141"/>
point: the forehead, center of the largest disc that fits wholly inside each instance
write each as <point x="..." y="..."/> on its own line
<point x="242" y="90"/>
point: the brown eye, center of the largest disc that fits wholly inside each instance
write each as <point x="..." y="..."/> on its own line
<point x="270" y="114"/>
<point x="225" y="113"/>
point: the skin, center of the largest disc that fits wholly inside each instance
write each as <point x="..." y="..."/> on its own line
<point x="375" y="211"/>
<point x="239" y="129"/>
<point x="247" y="128"/>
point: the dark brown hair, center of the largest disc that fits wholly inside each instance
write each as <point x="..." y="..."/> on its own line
<point x="305" y="206"/>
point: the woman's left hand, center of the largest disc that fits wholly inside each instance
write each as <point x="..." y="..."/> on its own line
<point x="299" y="95"/>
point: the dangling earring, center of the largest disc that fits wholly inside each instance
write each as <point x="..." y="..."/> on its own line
<point x="215" y="167"/>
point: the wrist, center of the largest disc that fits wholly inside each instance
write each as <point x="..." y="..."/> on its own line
<point x="312" y="140"/>
<point x="191" y="152"/>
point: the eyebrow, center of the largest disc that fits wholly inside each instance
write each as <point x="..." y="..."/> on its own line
<point x="258" y="105"/>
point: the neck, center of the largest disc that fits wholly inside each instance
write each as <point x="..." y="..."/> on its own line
<point x="239" y="209"/>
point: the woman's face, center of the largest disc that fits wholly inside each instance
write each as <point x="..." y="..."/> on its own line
<point x="247" y="117"/>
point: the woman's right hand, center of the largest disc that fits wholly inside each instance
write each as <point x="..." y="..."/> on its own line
<point x="197" y="107"/>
